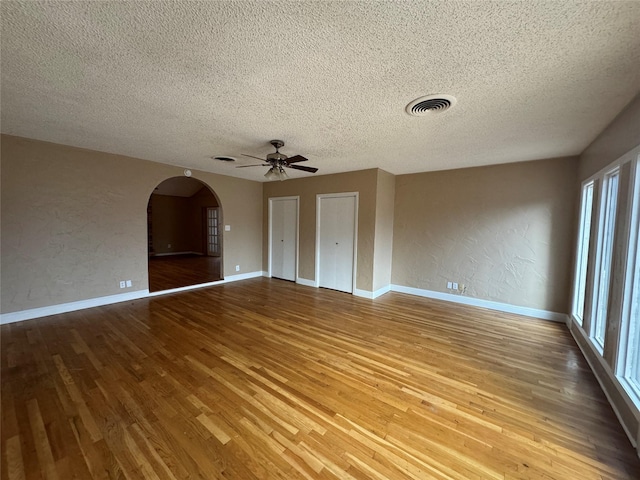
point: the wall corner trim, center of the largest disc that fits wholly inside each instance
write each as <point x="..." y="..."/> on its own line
<point x="382" y="291"/>
<point x="122" y="297"/>
<point x="306" y="282"/>
<point x="478" y="302"/>
<point x="356" y="292"/>
<point x="371" y="295"/>
<point x="363" y="293"/>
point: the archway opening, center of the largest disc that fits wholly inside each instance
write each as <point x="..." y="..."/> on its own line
<point x="184" y="234"/>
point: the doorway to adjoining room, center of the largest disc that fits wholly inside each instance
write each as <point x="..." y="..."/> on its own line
<point x="184" y="234"/>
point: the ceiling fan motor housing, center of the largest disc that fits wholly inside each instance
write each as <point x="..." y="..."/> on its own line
<point x="276" y="157"/>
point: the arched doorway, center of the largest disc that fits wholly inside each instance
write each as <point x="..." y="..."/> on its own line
<point x="184" y="234"/>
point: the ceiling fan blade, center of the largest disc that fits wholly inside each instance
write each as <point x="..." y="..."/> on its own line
<point x="257" y="158"/>
<point x="297" y="158"/>
<point x="255" y="165"/>
<point x="304" y="169"/>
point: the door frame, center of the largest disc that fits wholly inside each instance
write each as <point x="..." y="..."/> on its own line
<point x="270" y="232"/>
<point x="205" y="231"/>
<point x="319" y="198"/>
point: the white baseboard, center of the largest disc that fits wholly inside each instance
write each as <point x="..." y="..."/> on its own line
<point x="382" y="291"/>
<point x="306" y="282"/>
<point x="594" y="354"/>
<point x="243" y="276"/>
<point x="357" y="292"/>
<point x="371" y="295"/>
<point x="70" y="307"/>
<point x="477" y="302"/>
<point x="122" y="297"/>
<point x="363" y="293"/>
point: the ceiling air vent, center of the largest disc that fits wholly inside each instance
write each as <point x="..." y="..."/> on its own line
<point x="224" y="159"/>
<point x="430" y="104"/>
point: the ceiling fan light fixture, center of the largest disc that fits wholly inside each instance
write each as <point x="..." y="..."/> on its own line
<point x="282" y="175"/>
<point x="270" y="174"/>
<point x="276" y="173"/>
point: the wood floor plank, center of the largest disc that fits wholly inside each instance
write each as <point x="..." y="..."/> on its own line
<point x="43" y="447"/>
<point x="265" y="379"/>
<point x="14" y="462"/>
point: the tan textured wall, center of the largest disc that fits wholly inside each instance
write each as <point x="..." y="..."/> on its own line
<point x="385" y="199"/>
<point x="363" y="182"/>
<point x="74" y="222"/>
<point x="504" y="231"/>
<point x="621" y="136"/>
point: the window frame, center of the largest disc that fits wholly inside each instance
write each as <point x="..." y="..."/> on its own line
<point x="605" y="243"/>
<point x="579" y="297"/>
<point x="628" y="331"/>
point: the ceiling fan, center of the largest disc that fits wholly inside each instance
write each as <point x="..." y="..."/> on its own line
<point x="278" y="162"/>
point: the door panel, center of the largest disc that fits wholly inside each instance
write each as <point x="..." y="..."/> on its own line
<point x="336" y="242"/>
<point x="284" y="232"/>
<point x="213" y="231"/>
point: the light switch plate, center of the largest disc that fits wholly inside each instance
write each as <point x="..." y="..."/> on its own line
<point x="227" y="228"/>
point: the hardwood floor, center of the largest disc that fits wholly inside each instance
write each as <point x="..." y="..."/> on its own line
<point x="174" y="271"/>
<point x="265" y="379"/>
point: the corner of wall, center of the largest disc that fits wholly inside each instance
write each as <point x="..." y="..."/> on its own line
<point x="620" y="136"/>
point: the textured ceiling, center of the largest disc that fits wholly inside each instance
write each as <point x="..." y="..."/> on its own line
<point x="179" y="82"/>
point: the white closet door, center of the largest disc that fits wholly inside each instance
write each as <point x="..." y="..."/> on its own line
<point x="284" y="232"/>
<point x="336" y="242"/>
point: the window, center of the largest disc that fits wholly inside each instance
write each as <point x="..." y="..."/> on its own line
<point x="629" y="353"/>
<point x="584" y="236"/>
<point x="606" y="289"/>
<point x="606" y="231"/>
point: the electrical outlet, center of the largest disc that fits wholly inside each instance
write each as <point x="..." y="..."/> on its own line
<point x="449" y="285"/>
<point x="128" y="283"/>
<point x="168" y="245"/>
<point x="455" y="286"/>
<point x="227" y="228"/>
<point x="237" y="268"/>
<point x="462" y="288"/>
<point x="122" y="284"/>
